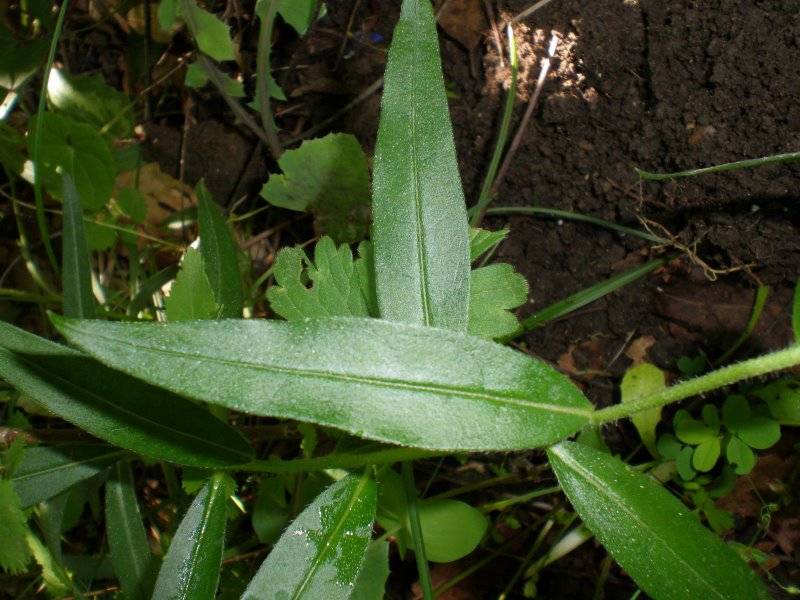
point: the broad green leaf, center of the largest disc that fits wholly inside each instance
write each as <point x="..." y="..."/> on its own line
<point x="335" y="288"/>
<point x="783" y="398"/>
<point x="191" y="567"/>
<point x="649" y="532"/>
<point x="419" y="217"/>
<point x="119" y="409"/>
<point x="191" y="297"/>
<point x="297" y="13"/>
<point x="220" y="255"/>
<point x="393" y="382"/>
<point x="321" y="553"/>
<point x="642" y="380"/>
<point x="77" y="274"/>
<point x="47" y="471"/>
<point x="759" y="432"/>
<point x="738" y="453"/>
<point x="493" y="292"/>
<point x="100" y="237"/>
<point x="168" y="11"/>
<point x="127" y="539"/>
<point x="14" y="551"/>
<point x="371" y="582"/>
<point x="19" y="59"/>
<point x="329" y="177"/>
<point x="212" y="35"/>
<point x="89" y="99"/>
<point x="78" y="150"/>
<point x="482" y="240"/>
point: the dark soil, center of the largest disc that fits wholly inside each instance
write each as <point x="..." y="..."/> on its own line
<point x="661" y="85"/>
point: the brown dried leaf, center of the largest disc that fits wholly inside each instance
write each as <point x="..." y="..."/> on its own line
<point x="463" y="20"/>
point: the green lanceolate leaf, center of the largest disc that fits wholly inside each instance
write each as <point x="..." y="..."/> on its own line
<point x="119" y="409"/>
<point x="191" y="297"/>
<point x="335" y="289"/>
<point x="297" y="13"/>
<point x="47" y="471"/>
<point x="220" y="255"/>
<point x="393" y="382"/>
<point x="127" y="539"/>
<point x="78" y="300"/>
<point x="483" y="240"/>
<point x="14" y="551"/>
<point x="494" y="291"/>
<point x="649" y="532"/>
<point x="212" y="35"/>
<point x="419" y="217"/>
<point x="321" y="553"/>
<point x="329" y="177"/>
<point x="191" y="568"/>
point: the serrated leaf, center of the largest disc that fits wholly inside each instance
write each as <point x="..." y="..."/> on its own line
<point x="220" y="255"/>
<point x="191" y="297"/>
<point x="47" y="471"/>
<point x="117" y="408"/>
<point x="78" y="150"/>
<point x="759" y="432"/>
<point x="494" y="291"/>
<point x="14" y="551"/>
<point x="738" y="453"/>
<point x="77" y="274"/>
<point x="192" y="565"/>
<point x="55" y="579"/>
<point x="420" y="233"/>
<point x="706" y="454"/>
<point x="322" y="551"/>
<point x="393" y="382"/>
<point x="212" y="35"/>
<point x="649" y="532"/>
<point x="639" y="381"/>
<point x="482" y="240"/>
<point x="371" y="582"/>
<point x="89" y="99"/>
<point x="335" y="288"/>
<point x="297" y="13"/>
<point x="330" y="178"/>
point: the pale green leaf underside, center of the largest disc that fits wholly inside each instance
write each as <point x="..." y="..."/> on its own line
<point x="392" y="382"/>
<point x="652" y="535"/>
<point x="494" y="291"/>
<point x="419" y="216"/>
<point x="191" y="297"/>
<point x="321" y="553"/>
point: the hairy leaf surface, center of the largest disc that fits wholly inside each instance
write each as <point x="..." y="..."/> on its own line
<point x="649" y="532"/>
<point x="392" y="382"/>
<point x="494" y="291"/>
<point x="14" y="551"/>
<point x="419" y="217"/>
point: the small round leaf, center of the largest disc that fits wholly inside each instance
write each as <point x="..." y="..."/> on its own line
<point x="706" y="454"/>
<point x="740" y="454"/>
<point x="669" y="446"/>
<point x="760" y="432"/>
<point x="684" y="463"/>
<point x="691" y="431"/>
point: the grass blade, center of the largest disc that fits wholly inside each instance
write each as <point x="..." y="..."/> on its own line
<point x="420" y="223"/>
<point x="739" y="164"/>
<point x="77" y="275"/>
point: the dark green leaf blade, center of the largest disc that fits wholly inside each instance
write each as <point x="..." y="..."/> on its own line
<point x="78" y="300"/>
<point x="191" y="567"/>
<point x="321" y="553"/>
<point x="220" y="255"/>
<point x="119" y="409"/>
<point x="420" y="228"/>
<point x="47" y="471"/>
<point x="649" y="532"/>
<point x="127" y="539"/>
<point x="417" y="386"/>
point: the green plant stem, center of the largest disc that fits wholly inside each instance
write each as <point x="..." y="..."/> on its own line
<point x="37" y="141"/>
<point x="566" y="214"/>
<point x="416" y="530"/>
<point x="739" y="164"/>
<point x="485" y="195"/>
<point x="341" y="461"/>
<point x="262" y="79"/>
<point x="783" y="359"/>
<point x="503" y="504"/>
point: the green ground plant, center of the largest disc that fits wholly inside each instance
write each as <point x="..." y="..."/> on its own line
<point x="390" y="354"/>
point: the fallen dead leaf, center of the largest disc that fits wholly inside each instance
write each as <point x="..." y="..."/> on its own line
<point x="637" y="351"/>
<point x="164" y="194"/>
<point x="463" y="20"/>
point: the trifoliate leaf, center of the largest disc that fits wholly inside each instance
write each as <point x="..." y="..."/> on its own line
<point x="494" y="291"/>
<point x="735" y="411"/>
<point x="691" y="431"/>
<point x="683" y="462"/>
<point x="78" y="150"/>
<point x="669" y="446"/>
<point x="759" y="432"/>
<point x="706" y="454"/>
<point x="738" y="453"/>
<point x="642" y="380"/>
<point x="335" y="289"/>
<point x="191" y="297"/>
<point x="329" y="177"/>
<point x="14" y="551"/>
<point x="482" y="240"/>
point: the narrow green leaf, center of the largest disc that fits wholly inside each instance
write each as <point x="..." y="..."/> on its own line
<point x="371" y="583"/>
<point x="55" y="578"/>
<point x="47" y="471"/>
<point x="649" y="532"/>
<point x="329" y="177"/>
<point x="393" y="382"/>
<point x="191" y="567"/>
<point x="796" y="312"/>
<point x="127" y="539"/>
<point x="14" y="551"/>
<point x="335" y="290"/>
<point x="77" y="274"/>
<point x="119" y="409"/>
<point x="483" y="240"/>
<point x="419" y="217"/>
<point x="52" y="514"/>
<point x="365" y="265"/>
<point x="220" y="255"/>
<point x="643" y="380"/>
<point x="212" y="35"/>
<point x="191" y="297"/>
<point x="494" y="291"/>
<point x="321" y="553"/>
